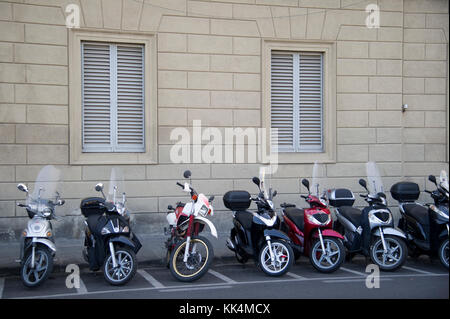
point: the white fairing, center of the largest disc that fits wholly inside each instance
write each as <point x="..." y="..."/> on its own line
<point x="172" y="219"/>
<point x="268" y="222"/>
<point x="187" y="209"/>
<point x="211" y="226"/>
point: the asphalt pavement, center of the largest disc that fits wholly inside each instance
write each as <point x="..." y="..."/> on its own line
<point x="419" y="278"/>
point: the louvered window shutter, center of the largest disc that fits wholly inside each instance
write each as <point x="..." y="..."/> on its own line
<point x="297" y="103"/>
<point x="113" y="97"/>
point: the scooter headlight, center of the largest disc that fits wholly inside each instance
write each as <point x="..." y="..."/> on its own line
<point x="46" y="212"/>
<point x="381" y="216"/>
<point x="203" y="211"/>
<point x="319" y="218"/>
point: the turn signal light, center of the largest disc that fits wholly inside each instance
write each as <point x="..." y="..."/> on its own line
<point x="49" y="234"/>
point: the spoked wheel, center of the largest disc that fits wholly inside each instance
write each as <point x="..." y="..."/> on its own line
<point x="126" y="267"/>
<point x="331" y="259"/>
<point x="199" y="258"/>
<point x="43" y="266"/>
<point x="443" y="253"/>
<point x="283" y="258"/>
<point x="395" y="255"/>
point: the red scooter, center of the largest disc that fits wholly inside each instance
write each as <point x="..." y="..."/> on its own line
<point x="311" y="232"/>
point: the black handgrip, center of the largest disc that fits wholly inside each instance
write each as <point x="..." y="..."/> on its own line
<point x="21" y="205"/>
<point x="304" y="196"/>
<point x="181" y="185"/>
<point x="429" y="192"/>
<point x="362" y="195"/>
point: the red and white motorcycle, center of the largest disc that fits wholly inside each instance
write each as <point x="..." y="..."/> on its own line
<point x="188" y="254"/>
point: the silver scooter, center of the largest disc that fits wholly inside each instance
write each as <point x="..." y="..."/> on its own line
<point x="37" y="245"/>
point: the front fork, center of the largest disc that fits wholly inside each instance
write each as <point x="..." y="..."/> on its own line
<point x="188" y="238"/>
<point x="269" y="245"/>
<point x="113" y="254"/>
<point x="322" y="244"/>
<point x="382" y="240"/>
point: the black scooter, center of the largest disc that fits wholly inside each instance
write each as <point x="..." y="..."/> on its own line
<point x="109" y="242"/>
<point x="426" y="225"/>
<point x="256" y="235"/>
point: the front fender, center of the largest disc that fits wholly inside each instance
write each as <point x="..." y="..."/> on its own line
<point x="45" y="242"/>
<point x="328" y="233"/>
<point x="123" y="240"/>
<point x="206" y="221"/>
<point x="277" y="234"/>
<point x="389" y="231"/>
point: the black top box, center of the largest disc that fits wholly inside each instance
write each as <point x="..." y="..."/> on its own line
<point x="92" y="206"/>
<point x="237" y="200"/>
<point x="405" y="191"/>
<point x="340" y="197"/>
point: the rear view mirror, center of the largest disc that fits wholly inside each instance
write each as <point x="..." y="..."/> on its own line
<point x="432" y="179"/>
<point x="22" y="187"/>
<point x="99" y="187"/>
<point x="187" y="174"/>
<point x="60" y="202"/>
<point x="256" y="181"/>
<point x="305" y="183"/>
<point x="211" y="198"/>
<point x="363" y="183"/>
<point x="274" y="194"/>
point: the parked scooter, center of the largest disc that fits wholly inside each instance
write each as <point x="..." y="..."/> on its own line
<point x="189" y="255"/>
<point x="311" y="232"/>
<point x="371" y="231"/>
<point x="256" y="235"/>
<point x="426" y="225"/>
<point x="109" y="242"/>
<point x="37" y="245"/>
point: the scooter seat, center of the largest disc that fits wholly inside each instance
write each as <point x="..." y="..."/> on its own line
<point x="245" y="218"/>
<point x="297" y="216"/>
<point x="418" y="213"/>
<point x="352" y="214"/>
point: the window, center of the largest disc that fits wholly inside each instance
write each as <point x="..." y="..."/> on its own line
<point x="299" y="100"/>
<point x="113" y="97"/>
<point x="296" y="100"/>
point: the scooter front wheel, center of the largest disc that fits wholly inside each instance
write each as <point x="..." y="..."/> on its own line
<point x="393" y="258"/>
<point x="330" y="260"/>
<point x="199" y="258"/>
<point x="126" y="266"/>
<point x="443" y="253"/>
<point x="283" y="258"/>
<point x="43" y="266"/>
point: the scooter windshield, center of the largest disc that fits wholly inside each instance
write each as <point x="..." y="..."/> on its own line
<point x="318" y="179"/>
<point x="444" y="180"/>
<point x="265" y="174"/>
<point x="116" y="186"/>
<point x="46" y="185"/>
<point x="374" y="181"/>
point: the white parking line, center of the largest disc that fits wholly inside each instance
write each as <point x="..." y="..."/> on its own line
<point x="418" y="270"/>
<point x="220" y="276"/>
<point x="197" y="286"/>
<point x="334" y="281"/>
<point x="2" y="284"/>
<point x="190" y="289"/>
<point x="353" y="271"/>
<point x="155" y="283"/>
<point x="290" y="274"/>
<point x="82" y="290"/>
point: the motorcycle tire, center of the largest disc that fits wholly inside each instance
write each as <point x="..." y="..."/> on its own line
<point x="443" y="255"/>
<point x="43" y="264"/>
<point x="337" y="261"/>
<point x="264" y="253"/>
<point x="177" y="264"/>
<point x="403" y="251"/>
<point x="129" y="262"/>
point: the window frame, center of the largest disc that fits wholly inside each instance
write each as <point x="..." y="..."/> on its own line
<point x="77" y="155"/>
<point x="328" y="49"/>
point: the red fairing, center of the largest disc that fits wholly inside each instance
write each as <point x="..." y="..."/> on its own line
<point x="315" y="202"/>
<point x="329" y="233"/>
